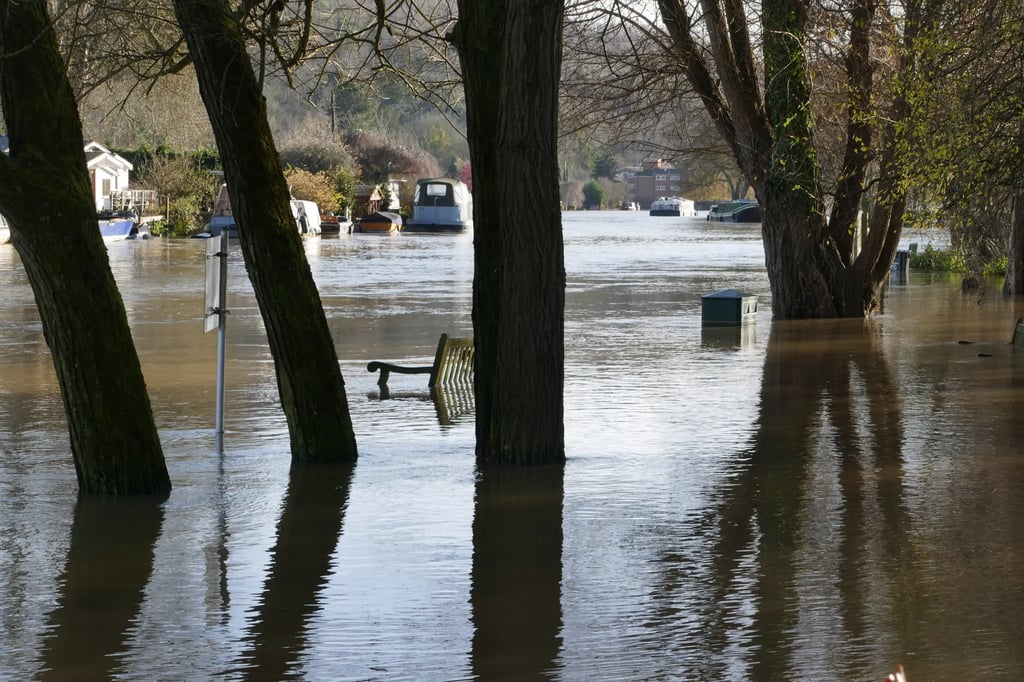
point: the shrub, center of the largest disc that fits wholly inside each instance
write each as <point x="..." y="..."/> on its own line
<point x="318" y="187"/>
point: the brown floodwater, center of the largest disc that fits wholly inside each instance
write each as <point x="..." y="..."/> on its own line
<point x="787" y="500"/>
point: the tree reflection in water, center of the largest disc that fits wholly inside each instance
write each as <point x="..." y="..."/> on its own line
<point x="307" y="536"/>
<point x="109" y="564"/>
<point x="517" y="572"/>
<point x="817" y="508"/>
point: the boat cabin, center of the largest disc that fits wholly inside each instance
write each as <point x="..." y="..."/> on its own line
<point x="441" y="205"/>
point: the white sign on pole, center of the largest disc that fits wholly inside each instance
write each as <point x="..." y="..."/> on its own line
<point x="213" y="267"/>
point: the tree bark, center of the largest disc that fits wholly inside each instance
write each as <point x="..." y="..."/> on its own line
<point x="45" y="194"/>
<point x="309" y="379"/>
<point x="812" y="269"/>
<point x="511" y="61"/>
<point x="1013" y="285"/>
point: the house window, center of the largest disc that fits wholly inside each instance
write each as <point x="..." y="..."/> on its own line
<point x="659" y="188"/>
<point x="675" y="188"/>
<point x="106" y="187"/>
<point x="675" y="177"/>
<point x="659" y="177"/>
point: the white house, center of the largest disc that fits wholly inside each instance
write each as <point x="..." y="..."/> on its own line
<point x="108" y="173"/>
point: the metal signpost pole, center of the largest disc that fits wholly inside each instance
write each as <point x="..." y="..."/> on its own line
<point x="217" y="316"/>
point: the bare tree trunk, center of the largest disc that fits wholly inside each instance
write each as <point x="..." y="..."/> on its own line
<point x="511" y="59"/>
<point x="308" y="376"/>
<point x="1014" y="283"/>
<point x="45" y="194"/>
<point x="810" y="260"/>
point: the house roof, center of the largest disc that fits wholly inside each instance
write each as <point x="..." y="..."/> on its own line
<point x="98" y="156"/>
<point x="368" y="191"/>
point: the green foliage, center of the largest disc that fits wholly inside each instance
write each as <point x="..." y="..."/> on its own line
<point x="353" y="109"/>
<point x="952" y="260"/>
<point x="183" y="186"/>
<point x="437" y="142"/>
<point x="964" y="140"/>
<point x="996" y="268"/>
<point x="937" y="260"/>
<point x="605" y="166"/>
<point x="593" y="195"/>
<point x="344" y="182"/>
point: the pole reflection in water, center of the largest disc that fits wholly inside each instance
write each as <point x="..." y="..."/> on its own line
<point x="307" y="536"/>
<point x="517" y="572"/>
<point x="109" y="564"/>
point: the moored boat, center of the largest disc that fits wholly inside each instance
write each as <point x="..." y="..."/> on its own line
<point x="741" y="211"/>
<point x="441" y="205"/>
<point x="378" y="222"/>
<point x="671" y="206"/>
<point x="307" y="216"/>
<point x="334" y="224"/>
<point x="117" y="229"/>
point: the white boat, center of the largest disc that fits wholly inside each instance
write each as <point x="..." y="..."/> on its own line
<point x="671" y="206"/>
<point x="629" y="206"/>
<point x="307" y="216"/>
<point x="441" y="205"/>
<point x="5" y="230"/>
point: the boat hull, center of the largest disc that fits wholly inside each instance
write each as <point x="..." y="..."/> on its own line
<point x="438" y="227"/>
<point x="120" y="229"/>
<point x="380" y="222"/>
<point x="747" y="212"/>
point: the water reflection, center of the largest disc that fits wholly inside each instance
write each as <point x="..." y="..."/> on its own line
<point x="822" y="487"/>
<point x="109" y="564"/>
<point x="307" y="536"/>
<point x="517" y="572"/>
<point x="810" y="500"/>
<point x="452" y="403"/>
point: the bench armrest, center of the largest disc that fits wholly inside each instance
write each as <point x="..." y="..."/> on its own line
<point x="386" y="368"/>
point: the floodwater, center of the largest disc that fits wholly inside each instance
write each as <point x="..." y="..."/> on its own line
<point x="792" y="500"/>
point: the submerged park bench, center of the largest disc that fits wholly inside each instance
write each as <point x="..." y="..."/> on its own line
<point x="453" y="364"/>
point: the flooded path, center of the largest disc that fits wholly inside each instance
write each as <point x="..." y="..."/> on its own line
<point x="814" y="500"/>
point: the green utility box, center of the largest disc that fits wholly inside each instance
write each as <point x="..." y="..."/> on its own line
<point x="728" y="308"/>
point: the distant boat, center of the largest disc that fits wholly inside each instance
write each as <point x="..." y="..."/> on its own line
<point x="306" y="214"/>
<point x="671" y="206"/>
<point x="441" y="205"/>
<point x="741" y="211"/>
<point x="378" y="222"/>
<point x="121" y="228"/>
<point x="332" y="223"/>
<point x="629" y="206"/>
<point x="112" y="229"/>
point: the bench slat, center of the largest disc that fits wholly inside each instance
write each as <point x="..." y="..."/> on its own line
<point x="453" y="363"/>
